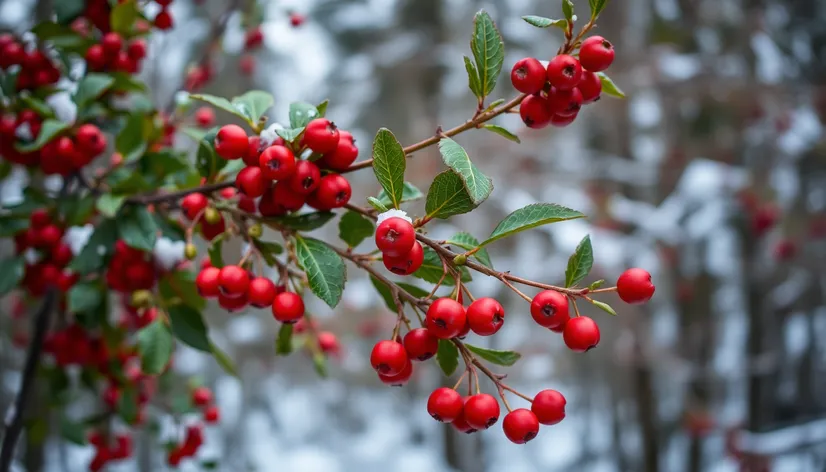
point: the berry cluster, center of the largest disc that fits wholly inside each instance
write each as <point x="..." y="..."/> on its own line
<point x="163" y="20"/>
<point x="110" y="55"/>
<point x="396" y="239"/>
<point x="131" y="269"/>
<point x="558" y="91"/>
<point x="36" y="68"/>
<point x="49" y="255"/>
<point x="107" y="451"/>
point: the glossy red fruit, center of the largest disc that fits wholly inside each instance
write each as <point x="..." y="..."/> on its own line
<point x="288" y="307"/>
<point x="520" y="426"/>
<point x="261" y="292"/>
<point x="420" y="344"/>
<point x="90" y="140"/>
<point x="560" y="121"/>
<point x="234" y="281"/>
<point x="136" y="49"/>
<point x="407" y="264"/>
<point x="95" y="58"/>
<point x="388" y="357"/>
<point x="49" y="236"/>
<point x="211" y="230"/>
<point x="212" y="414"/>
<point x="528" y="75"/>
<point x="112" y="43"/>
<point x="328" y="342"/>
<point x="251" y="158"/>
<point x="39" y="218"/>
<point x="202" y="396"/>
<point x="460" y="424"/>
<point x="296" y="20"/>
<point x="193" y="204"/>
<point x="446" y="318"/>
<point x="596" y="54"/>
<point x="285" y="200"/>
<point x="481" y="411"/>
<point x="251" y="182"/>
<point x="207" y="282"/>
<point x="565" y="102"/>
<point x="343" y="155"/>
<point x="163" y="20"/>
<point x="253" y="38"/>
<point x="485" y="316"/>
<point x="397" y="380"/>
<point x="231" y="142"/>
<point x="590" y="87"/>
<point x="277" y="163"/>
<point x="564" y="72"/>
<point x="61" y="254"/>
<point x="581" y="334"/>
<point x="333" y="191"/>
<point x="535" y="112"/>
<point x="549" y="407"/>
<point x="321" y="135"/>
<point x="232" y="304"/>
<point x="549" y="308"/>
<point x="306" y="178"/>
<point x="205" y="117"/>
<point x="634" y="286"/>
<point x="395" y="237"/>
<point x="445" y="405"/>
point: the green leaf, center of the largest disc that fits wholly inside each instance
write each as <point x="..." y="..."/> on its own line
<point x="207" y="160"/>
<point x="284" y="341"/>
<point x="131" y="142"/>
<point x="61" y="36"/>
<point x="467" y="242"/>
<point x="253" y="104"/>
<point x="11" y="226"/>
<point x="221" y="104"/>
<point x="505" y="133"/>
<point x="215" y="251"/>
<point x="597" y="284"/>
<point x="596" y="7"/>
<point x="580" y="262"/>
<point x="385" y="293"/>
<point x="431" y="270"/>
<point x="377" y="204"/>
<point x="504" y="358"/>
<point x="125" y="180"/>
<point x="66" y="11"/>
<point x="99" y="246"/>
<point x="488" y="51"/>
<point x="305" y="222"/>
<point x="170" y="228"/>
<point x="127" y="406"/>
<point x="409" y="193"/>
<point x="542" y="22"/>
<point x="138" y="229"/>
<point x="320" y="364"/>
<point x="322" y="108"/>
<point x="39" y="106"/>
<point x="447" y="356"/>
<point x="604" y="307"/>
<point x="13" y="270"/>
<point x="91" y="87"/>
<point x="389" y="164"/>
<point x="568" y="9"/>
<point x="609" y="87"/>
<point x="302" y="113"/>
<point x="73" y="431"/>
<point x="325" y="269"/>
<point x="84" y="297"/>
<point x="289" y="134"/>
<point x="188" y="326"/>
<point x="128" y="83"/>
<point x="473" y="78"/>
<point x="76" y="209"/>
<point x="531" y="216"/>
<point x="268" y="250"/>
<point x="447" y="196"/>
<point x="155" y="345"/>
<point x="123" y="16"/>
<point x="49" y="130"/>
<point x="108" y="204"/>
<point x="478" y="185"/>
<point x="180" y="285"/>
<point x="223" y="360"/>
<point x="354" y="228"/>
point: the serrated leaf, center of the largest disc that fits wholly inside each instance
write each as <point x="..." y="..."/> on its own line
<point x="354" y="228"/>
<point x="302" y="113"/>
<point x="609" y="87"/>
<point x="531" y="216"/>
<point x="596" y="7"/>
<point x="503" y="358"/>
<point x="325" y="270"/>
<point x="488" y="51"/>
<point x="123" y="16"/>
<point x="473" y="78"/>
<point x="568" y="9"/>
<point x="289" y="134"/>
<point x="137" y="228"/>
<point x="284" y="340"/>
<point x="409" y="193"/>
<point x="181" y="285"/>
<point x="252" y="105"/>
<point x="597" y="284"/>
<point x="305" y="222"/>
<point x="223" y="360"/>
<point x="99" y="246"/>
<point x="503" y="132"/>
<point x="322" y="108"/>
<point x="108" y="204"/>
<point x="49" y="130"/>
<point x="378" y="205"/>
<point x="84" y="296"/>
<point x="479" y="186"/>
<point x="467" y="242"/>
<point x="604" y="307"/>
<point x="580" y="262"/>
<point x="131" y="142"/>
<point x="447" y="196"/>
<point x="188" y="326"/>
<point x="221" y="104"/>
<point x="447" y="356"/>
<point x="431" y="270"/>
<point x="389" y="163"/>
<point x="155" y="346"/>
<point x="13" y="270"/>
<point x="91" y="87"/>
<point x="542" y="22"/>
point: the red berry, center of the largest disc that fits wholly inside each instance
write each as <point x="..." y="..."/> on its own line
<point x="481" y="411"/>
<point x="247" y="64"/>
<point x="251" y="158"/>
<point x="163" y="20"/>
<point x="296" y="19"/>
<point x="549" y="308"/>
<point x="485" y="316"/>
<point x="112" y="43"/>
<point x="253" y="38"/>
<point x="61" y="255"/>
<point x="407" y="264"/>
<point x="549" y="407"/>
<point x="328" y="342"/>
<point x="528" y="75"/>
<point x="634" y="286"/>
<point x="205" y="117"/>
<point x="445" y="318"/>
<point x="397" y="380"/>
<point x="564" y="102"/>
<point x="590" y="87"/>
<point x="212" y="414"/>
<point x="49" y="236"/>
<point x="596" y="54"/>
<point x="520" y="426"/>
<point x="343" y="155"/>
<point x="90" y="140"/>
<point x="420" y="344"/>
<point x="251" y="182"/>
<point x="261" y="292"/>
<point x="231" y="142"/>
<point x="395" y="237"/>
<point x="445" y="405"/>
<point x="306" y="178"/>
<point x="321" y="135"/>
<point x="234" y="281"/>
<point x="284" y="200"/>
<point x="287" y="307"/>
<point x="207" y="282"/>
<point x="211" y="230"/>
<point x="202" y="396"/>
<point x="95" y="58"/>
<point x="39" y="218"/>
<point x="581" y="334"/>
<point x="564" y="72"/>
<point x="232" y="304"/>
<point x="193" y="204"/>
<point x="277" y="163"/>
<point x="333" y="191"/>
<point x="535" y="112"/>
<point x="388" y="357"/>
<point x="560" y="121"/>
<point x="136" y="49"/>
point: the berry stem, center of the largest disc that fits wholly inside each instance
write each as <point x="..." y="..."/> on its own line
<point x="512" y="287"/>
<point x="604" y="290"/>
<point x="576" y="308"/>
<point x="175" y="196"/>
<point x="461" y="379"/>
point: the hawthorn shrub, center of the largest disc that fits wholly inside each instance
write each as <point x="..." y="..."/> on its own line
<point x="110" y="304"/>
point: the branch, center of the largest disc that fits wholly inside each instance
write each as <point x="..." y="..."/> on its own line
<point x="174" y="196"/>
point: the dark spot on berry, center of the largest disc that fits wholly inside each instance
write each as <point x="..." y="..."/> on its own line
<point x="491" y="422"/>
<point x="341" y="197"/>
<point x="274" y="164"/>
<point x="528" y="436"/>
<point x="521" y="73"/>
<point x="437" y="417"/>
<point x="568" y="71"/>
<point x="497" y="318"/>
<point x="307" y="182"/>
<point x="440" y="323"/>
<point x="383" y="368"/>
<point x="425" y="357"/>
<point x="548" y="310"/>
<point x="470" y="431"/>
